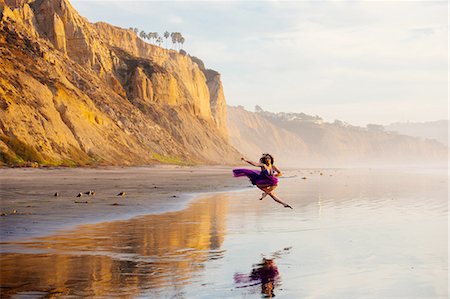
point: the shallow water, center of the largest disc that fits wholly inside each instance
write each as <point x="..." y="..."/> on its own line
<point x="352" y="234"/>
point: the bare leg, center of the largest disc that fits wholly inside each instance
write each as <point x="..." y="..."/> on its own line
<point x="277" y="199"/>
<point x="265" y="189"/>
<point x="269" y="192"/>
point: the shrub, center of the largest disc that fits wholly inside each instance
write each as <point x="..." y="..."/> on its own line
<point x="23" y="151"/>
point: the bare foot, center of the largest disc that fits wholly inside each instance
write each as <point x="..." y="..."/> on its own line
<point x="263" y="195"/>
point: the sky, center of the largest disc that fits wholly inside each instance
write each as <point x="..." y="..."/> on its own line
<point x="356" y="61"/>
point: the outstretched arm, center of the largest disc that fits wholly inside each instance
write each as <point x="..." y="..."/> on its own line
<point x="277" y="170"/>
<point x="252" y="163"/>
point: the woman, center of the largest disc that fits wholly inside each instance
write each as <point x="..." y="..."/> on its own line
<point x="266" y="179"/>
<point x="265" y="274"/>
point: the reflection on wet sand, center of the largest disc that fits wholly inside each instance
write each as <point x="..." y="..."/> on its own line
<point x="156" y="253"/>
<point x="264" y="274"/>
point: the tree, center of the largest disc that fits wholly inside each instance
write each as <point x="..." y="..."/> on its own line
<point x="182" y="40"/>
<point x="176" y="38"/>
<point x="152" y="35"/>
<point x="166" y="36"/>
<point x="173" y="35"/>
<point x="142" y="34"/>
<point x="159" y="40"/>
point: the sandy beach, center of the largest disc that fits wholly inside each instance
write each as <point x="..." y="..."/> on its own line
<point x="353" y="233"/>
<point x="148" y="190"/>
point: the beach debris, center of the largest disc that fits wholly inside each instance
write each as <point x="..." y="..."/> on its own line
<point x="304" y="178"/>
<point x="121" y="194"/>
<point x="77" y="201"/>
<point x="90" y="193"/>
<point x="174" y="196"/>
<point x="15" y="212"/>
<point x="56" y="194"/>
<point x="80" y="194"/>
<point x="115" y="204"/>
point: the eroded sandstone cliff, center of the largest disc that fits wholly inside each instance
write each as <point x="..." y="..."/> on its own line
<point x="254" y="135"/>
<point x="72" y="92"/>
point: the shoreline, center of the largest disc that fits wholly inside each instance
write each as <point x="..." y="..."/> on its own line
<point x="149" y="191"/>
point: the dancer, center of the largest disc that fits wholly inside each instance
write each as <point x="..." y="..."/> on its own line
<point x="266" y="179"/>
<point x="265" y="274"/>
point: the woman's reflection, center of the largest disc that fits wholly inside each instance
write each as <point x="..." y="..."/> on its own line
<point x="265" y="274"/>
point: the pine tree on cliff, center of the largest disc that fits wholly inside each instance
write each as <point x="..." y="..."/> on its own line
<point x="159" y="41"/>
<point x="150" y="36"/>
<point x="182" y="40"/>
<point x="153" y="36"/>
<point x="176" y="38"/>
<point x="142" y="34"/>
<point x="166" y="36"/>
<point x="173" y="36"/>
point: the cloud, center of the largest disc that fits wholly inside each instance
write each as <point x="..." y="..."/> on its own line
<point x="325" y="54"/>
<point x="175" y="19"/>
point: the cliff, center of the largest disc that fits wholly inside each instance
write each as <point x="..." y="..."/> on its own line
<point x="76" y="93"/>
<point x="254" y="135"/>
<point x="436" y="130"/>
<point x="297" y="139"/>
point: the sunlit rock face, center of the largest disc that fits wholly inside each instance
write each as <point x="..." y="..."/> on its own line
<point x="217" y="96"/>
<point x="218" y="103"/>
<point x="79" y="93"/>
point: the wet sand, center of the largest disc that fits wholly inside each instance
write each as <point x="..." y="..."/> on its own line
<point x="352" y="234"/>
<point x="148" y="190"/>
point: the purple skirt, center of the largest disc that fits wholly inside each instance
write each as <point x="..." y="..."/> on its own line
<point x="256" y="177"/>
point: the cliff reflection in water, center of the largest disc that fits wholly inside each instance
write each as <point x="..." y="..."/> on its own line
<point x="158" y="252"/>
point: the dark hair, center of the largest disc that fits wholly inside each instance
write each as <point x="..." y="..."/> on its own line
<point x="262" y="160"/>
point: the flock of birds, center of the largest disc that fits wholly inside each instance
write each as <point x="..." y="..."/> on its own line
<point x="91" y="193"/>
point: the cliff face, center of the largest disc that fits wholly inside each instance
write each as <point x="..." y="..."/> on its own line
<point x="217" y="96"/>
<point x="302" y="140"/>
<point x="254" y="135"/>
<point x="436" y="130"/>
<point x="72" y="92"/>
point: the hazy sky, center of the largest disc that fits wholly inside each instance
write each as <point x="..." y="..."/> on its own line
<point x="360" y="61"/>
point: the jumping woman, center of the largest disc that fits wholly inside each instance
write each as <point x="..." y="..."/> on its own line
<point x="266" y="179"/>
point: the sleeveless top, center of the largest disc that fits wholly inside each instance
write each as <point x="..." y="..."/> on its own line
<point x="267" y="172"/>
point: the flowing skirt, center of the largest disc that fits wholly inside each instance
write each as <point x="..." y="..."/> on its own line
<point x="256" y="177"/>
